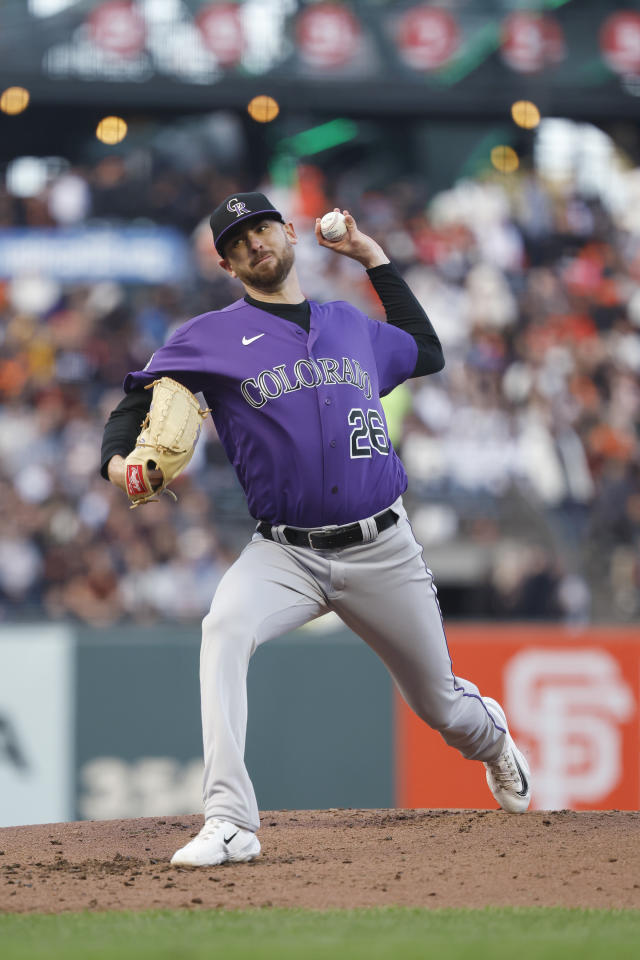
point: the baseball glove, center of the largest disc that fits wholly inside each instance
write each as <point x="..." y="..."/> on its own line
<point x="166" y="442"/>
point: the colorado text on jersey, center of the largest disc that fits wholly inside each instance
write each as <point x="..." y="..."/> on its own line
<point x="270" y="384"/>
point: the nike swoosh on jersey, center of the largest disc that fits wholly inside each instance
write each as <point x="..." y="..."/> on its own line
<point x="247" y="340"/>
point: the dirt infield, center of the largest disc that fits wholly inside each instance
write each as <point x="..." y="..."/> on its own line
<point x="332" y="858"/>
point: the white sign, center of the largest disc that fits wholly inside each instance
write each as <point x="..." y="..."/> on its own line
<point x="36" y="725"/>
<point x="146" y="787"/>
<point x="569" y="704"/>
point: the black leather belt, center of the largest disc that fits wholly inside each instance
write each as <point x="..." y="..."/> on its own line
<point x="327" y="538"/>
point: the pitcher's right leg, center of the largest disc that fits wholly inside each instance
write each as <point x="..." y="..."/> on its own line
<point x="266" y="592"/>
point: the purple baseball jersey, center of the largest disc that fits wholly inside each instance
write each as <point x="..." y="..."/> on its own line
<point x="299" y="415"/>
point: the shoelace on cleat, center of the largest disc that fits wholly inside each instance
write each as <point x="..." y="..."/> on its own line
<point x="504" y="771"/>
<point x="210" y="827"/>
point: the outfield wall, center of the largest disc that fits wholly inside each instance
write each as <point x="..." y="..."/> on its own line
<point x="105" y="723"/>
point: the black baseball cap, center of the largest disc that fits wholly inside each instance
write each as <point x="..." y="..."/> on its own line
<point x="235" y="209"/>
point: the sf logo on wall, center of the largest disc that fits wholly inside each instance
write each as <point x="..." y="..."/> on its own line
<point x="566" y="708"/>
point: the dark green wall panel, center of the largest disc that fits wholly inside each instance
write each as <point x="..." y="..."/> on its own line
<point x="319" y="734"/>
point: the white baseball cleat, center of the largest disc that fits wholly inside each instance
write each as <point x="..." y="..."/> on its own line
<point x="508" y="777"/>
<point x="219" y="841"/>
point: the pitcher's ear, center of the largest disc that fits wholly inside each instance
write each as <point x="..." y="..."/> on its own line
<point x="227" y="266"/>
<point x="290" y="231"/>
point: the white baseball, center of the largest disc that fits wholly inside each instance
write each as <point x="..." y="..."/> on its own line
<point x="333" y="226"/>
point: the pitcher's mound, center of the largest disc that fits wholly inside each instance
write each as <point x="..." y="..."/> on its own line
<point x="332" y="858"/>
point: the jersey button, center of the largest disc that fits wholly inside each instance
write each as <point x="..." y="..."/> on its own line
<point x="332" y="443"/>
<point x="334" y="489"/>
<point x="328" y="401"/>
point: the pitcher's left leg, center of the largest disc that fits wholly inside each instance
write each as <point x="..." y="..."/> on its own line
<point x="385" y="593"/>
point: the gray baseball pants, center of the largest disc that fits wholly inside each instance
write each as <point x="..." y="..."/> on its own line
<point x="383" y="591"/>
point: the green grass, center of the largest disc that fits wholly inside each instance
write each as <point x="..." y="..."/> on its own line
<point x="491" y="934"/>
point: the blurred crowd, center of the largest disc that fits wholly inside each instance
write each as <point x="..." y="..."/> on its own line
<point x="523" y="454"/>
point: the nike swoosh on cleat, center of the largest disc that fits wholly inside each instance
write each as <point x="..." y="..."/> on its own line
<point x="247" y="340"/>
<point x="229" y="839"/>
<point x="525" y="785"/>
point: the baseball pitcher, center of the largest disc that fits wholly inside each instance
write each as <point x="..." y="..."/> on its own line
<point x="294" y="389"/>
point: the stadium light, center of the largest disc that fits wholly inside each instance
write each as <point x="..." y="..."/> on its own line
<point x="111" y="130"/>
<point x="263" y="109"/>
<point x="525" y="114"/>
<point x="14" y="100"/>
<point x="505" y="159"/>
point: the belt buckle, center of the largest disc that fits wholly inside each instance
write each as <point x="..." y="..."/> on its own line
<point x="320" y="532"/>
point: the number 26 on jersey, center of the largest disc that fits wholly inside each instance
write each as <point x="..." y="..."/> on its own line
<point x="368" y="433"/>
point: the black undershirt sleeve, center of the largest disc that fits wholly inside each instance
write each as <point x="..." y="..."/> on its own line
<point x="403" y="310"/>
<point x="123" y="426"/>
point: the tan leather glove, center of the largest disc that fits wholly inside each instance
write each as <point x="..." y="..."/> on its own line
<point x="168" y="437"/>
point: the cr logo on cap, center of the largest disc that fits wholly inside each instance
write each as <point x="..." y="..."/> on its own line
<point x="237" y="206"/>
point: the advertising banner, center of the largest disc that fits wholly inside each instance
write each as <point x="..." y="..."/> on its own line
<point x="92" y="254"/>
<point x="571" y="698"/>
<point x="393" y="56"/>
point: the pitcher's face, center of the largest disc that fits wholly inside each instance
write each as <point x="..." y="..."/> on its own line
<point x="260" y="254"/>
